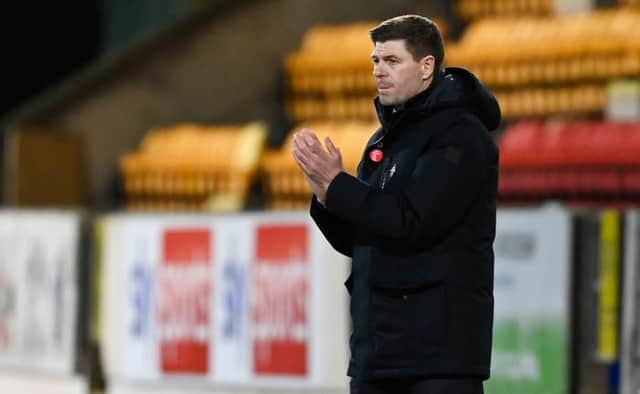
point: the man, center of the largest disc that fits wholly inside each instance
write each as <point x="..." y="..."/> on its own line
<point x="418" y="220"/>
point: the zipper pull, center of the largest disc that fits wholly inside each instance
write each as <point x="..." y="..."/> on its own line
<point x="387" y="172"/>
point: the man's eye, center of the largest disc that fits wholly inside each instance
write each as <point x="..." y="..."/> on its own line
<point x="393" y="61"/>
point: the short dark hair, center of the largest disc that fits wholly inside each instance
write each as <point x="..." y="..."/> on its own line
<point x="422" y="36"/>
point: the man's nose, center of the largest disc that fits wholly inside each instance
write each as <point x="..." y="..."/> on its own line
<point x="379" y="70"/>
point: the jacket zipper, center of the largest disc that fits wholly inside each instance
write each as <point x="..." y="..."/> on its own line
<point x="385" y="172"/>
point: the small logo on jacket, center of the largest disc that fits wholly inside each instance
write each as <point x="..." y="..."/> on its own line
<point x="387" y="175"/>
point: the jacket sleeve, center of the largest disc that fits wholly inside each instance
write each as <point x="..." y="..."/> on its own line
<point x="441" y="189"/>
<point x="337" y="231"/>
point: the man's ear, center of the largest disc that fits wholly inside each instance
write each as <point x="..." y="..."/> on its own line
<point x="428" y="66"/>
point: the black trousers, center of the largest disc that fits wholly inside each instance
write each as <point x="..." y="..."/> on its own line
<point x="416" y="386"/>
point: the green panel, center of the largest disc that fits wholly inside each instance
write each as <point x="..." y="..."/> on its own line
<point x="528" y="358"/>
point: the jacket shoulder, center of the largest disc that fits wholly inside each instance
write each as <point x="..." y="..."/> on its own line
<point x="463" y="128"/>
<point x="467" y="133"/>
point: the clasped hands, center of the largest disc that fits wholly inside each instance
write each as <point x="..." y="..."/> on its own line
<point x="319" y="166"/>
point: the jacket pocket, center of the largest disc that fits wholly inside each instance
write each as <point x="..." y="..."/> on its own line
<point x="408" y="307"/>
<point x="408" y="325"/>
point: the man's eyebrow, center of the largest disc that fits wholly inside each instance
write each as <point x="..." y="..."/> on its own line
<point x="385" y="57"/>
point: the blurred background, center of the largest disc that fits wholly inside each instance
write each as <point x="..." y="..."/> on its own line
<point x="153" y="228"/>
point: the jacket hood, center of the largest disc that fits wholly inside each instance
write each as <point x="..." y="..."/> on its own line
<point x="454" y="88"/>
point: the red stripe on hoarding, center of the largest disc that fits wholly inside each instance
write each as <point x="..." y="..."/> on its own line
<point x="280" y="302"/>
<point x="185" y="246"/>
<point x="184" y="294"/>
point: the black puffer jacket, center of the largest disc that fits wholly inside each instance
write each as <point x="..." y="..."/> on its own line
<point x="419" y="226"/>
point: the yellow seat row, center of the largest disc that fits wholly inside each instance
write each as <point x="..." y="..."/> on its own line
<point x="599" y="45"/>
<point x="581" y="98"/>
<point x="194" y="164"/>
<point x="475" y="9"/>
<point x="551" y="101"/>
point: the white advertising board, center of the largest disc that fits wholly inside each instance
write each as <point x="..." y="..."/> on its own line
<point x="38" y="291"/>
<point x="531" y="292"/>
<point x="249" y="300"/>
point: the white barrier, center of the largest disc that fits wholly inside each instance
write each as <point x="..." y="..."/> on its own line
<point x="532" y="301"/>
<point x="630" y="327"/>
<point x="38" y="299"/>
<point x="188" y="387"/>
<point x="255" y="304"/>
<point x="206" y="302"/>
<point x="39" y="384"/>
